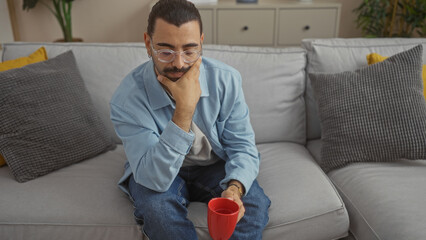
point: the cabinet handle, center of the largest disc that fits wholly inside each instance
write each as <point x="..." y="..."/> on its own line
<point x="307" y="27"/>
<point x="245" y="28"/>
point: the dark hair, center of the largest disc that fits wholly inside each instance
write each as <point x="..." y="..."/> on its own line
<point x="176" y="12"/>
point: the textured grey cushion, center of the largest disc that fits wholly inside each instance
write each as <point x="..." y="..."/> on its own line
<point x="47" y="119"/>
<point x="375" y="114"/>
<point x="334" y="55"/>
<point x="101" y="65"/>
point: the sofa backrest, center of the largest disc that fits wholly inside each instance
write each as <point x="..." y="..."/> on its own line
<point x="338" y="55"/>
<point x="102" y="67"/>
<point x="273" y="80"/>
<point x="274" y="86"/>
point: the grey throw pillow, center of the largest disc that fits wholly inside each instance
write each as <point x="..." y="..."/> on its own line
<point x="375" y="114"/>
<point x="47" y="119"/>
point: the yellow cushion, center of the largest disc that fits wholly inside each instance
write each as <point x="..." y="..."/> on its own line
<point x="375" y="58"/>
<point x="37" y="56"/>
<point x="2" y="161"/>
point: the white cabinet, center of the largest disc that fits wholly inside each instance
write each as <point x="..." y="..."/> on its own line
<point x="245" y="26"/>
<point x="297" y="24"/>
<point x="272" y="23"/>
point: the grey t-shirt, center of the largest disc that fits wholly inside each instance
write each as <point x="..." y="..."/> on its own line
<point x="201" y="153"/>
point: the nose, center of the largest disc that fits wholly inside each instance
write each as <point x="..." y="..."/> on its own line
<point x="178" y="61"/>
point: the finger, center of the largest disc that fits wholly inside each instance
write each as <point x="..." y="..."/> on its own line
<point x="164" y="80"/>
<point x="196" y="65"/>
<point x="241" y="213"/>
<point x="198" y="62"/>
<point x="228" y="194"/>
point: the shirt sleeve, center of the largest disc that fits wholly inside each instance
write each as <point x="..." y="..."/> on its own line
<point x="154" y="158"/>
<point x="238" y="138"/>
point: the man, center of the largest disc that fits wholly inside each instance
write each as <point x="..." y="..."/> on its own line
<point x="186" y="131"/>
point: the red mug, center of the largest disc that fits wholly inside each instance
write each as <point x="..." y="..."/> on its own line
<point x="222" y="217"/>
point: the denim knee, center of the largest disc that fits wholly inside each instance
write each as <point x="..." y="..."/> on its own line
<point x="256" y="215"/>
<point x="164" y="214"/>
<point x="258" y="200"/>
<point x="259" y="196"/>
<point x="152" y="204"/>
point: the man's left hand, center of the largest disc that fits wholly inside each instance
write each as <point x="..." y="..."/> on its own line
<point x="233" y="194"/>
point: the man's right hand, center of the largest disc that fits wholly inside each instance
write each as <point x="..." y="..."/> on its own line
<point x="186" y="92"/>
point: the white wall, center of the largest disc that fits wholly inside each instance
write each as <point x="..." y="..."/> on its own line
<point x="6" y="33"/>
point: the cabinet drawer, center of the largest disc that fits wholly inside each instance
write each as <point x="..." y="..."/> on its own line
<point x="245" y="26"/>
<point x="207" y="19"/>
<point x="297" y="24"/>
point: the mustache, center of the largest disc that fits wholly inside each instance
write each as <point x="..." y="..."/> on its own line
<point x="176" y="70"/>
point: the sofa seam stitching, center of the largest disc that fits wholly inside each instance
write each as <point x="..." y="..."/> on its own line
<point x="294" y="50"/>
<point x="295" y="221"/>
<point x="360" y="213"/>
<point x="353" y="46"/>
<point x="66" y="225"/>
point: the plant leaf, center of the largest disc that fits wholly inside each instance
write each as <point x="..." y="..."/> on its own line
<point x="28" y="4"/>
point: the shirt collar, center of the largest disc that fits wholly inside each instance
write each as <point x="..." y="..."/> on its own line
<point x="157" y="95"/>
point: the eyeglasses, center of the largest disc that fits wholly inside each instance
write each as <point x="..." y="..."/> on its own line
<point x="168" y="55"/>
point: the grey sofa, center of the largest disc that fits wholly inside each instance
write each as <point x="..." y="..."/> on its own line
<point x="368" y="201"/>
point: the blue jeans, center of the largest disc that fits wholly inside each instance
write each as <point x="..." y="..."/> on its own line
<point x="164" y="215"/>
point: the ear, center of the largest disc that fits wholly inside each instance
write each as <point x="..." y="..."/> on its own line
<point x="202" y="38"/>
<point x="147" y="40"/>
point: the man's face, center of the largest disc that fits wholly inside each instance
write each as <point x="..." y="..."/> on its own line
<point x="168" y="36"/>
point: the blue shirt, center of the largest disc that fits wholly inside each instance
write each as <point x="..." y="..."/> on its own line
<point x="141" y="112"/>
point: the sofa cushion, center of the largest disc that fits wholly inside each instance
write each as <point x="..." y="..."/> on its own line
<point x="274" y="85"/>
<point x="81" y="201"/>
<point x="102" y="67"/>
<point x="338" y="55"/>
<point x="373" y="58"/>
<point x="37" y="56"/>
<point x="85" y="200"/>
<point x="2" y="161"/>
<point x="384" y="200"/>
<point x="305" y="205"/>
<point x="47" y="120"/>
<point x="273" y="80"/>
<point x="375" y="114"/>
<point x="314" y="147"/>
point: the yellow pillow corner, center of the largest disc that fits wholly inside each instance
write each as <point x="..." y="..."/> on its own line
<point x="2" y="161"/>
<point x="373" y="58"/>
<point x="37" y="56"/>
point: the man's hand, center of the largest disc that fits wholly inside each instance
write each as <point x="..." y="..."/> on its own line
<point x="233" y="193"/>
<point x="186" y="92"/>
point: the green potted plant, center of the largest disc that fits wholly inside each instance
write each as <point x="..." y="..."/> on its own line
<point x="392" y="18"/>
<point x="62" y="11"/>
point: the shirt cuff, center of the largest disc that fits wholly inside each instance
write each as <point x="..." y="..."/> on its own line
<point x="178" y="139"/>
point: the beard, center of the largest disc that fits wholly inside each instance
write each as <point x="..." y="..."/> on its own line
<point x="167" y="71"/>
